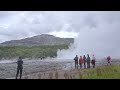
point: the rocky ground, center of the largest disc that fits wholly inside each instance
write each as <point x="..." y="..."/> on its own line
<point x="45" y="69"/>
<point x="8" y="69"/>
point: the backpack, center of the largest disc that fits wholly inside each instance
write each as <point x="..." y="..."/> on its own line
<point x="75" y="58"/>
<point x="93" y="61"/>
<point x="108" y="58"/>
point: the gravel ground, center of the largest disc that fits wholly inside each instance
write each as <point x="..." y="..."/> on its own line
<point x="8" y="68"/>
<point x="31" y="67"/>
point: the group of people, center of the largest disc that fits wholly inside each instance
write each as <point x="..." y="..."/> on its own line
<point x="84" y="60"/>
<point x="87" y="61"/>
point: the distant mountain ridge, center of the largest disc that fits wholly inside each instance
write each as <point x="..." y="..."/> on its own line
<point x="39" y="40"/>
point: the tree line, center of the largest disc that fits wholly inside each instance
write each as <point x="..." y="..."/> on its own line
<point x="10" y="52"/>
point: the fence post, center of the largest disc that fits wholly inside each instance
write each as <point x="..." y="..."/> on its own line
<point x="39" y="76"/>
<point x="51" y="75"/>
<point x="56" y="75"/>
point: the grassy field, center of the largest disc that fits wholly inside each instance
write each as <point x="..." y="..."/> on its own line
<point x="102" y="72"/>
<point x="9" y="52"/>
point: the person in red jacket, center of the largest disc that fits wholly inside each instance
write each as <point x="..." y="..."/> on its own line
<point x="80" y="61"/>
<point x="109" y="60"/>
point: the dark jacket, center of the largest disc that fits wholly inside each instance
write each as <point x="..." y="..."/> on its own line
<point x="109" y="58"/>
<point x="84" y="58"/>
<point x="20" y="64"/>
<point x="76" y="59"/>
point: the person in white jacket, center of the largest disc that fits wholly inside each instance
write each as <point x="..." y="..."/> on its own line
<point x="93" y="61"/>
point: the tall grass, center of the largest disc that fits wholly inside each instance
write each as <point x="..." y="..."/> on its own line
<point x="102" y="72"/>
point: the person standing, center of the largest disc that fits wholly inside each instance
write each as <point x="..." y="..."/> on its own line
<point x="76" y="62"/>
<point x="19" y="67"/>
<point x="80" y="62"/>
<point x="88" y="61"/>
<point x="84" y="61"/>
<point x="93" y="61"/>
<point x="109" y="60"/>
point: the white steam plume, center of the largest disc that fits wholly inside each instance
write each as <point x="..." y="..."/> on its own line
<point x="98" y="34"/>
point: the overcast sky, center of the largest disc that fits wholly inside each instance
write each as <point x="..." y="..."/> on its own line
<point x="94" y="31"/>
<point x="21" y="24"/>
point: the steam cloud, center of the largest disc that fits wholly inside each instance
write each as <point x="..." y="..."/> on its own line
<point x="97" y="32"/>
<point x="98" y="35"/>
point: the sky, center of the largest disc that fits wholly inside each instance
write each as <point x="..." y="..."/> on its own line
<point x="95" y="32"/>
<point x="21" y="24"/>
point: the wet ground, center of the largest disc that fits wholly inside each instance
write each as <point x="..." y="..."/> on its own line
<point x="8" y="68"/>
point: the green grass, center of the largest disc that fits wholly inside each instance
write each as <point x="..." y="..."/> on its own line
<point x="102" y="72"/>
<point x="9" y="52"/>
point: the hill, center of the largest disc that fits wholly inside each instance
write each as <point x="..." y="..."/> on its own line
<point x="39" y="40"/>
